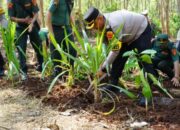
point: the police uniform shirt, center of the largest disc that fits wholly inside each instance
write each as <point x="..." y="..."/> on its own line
<point x="16" y="10"/>
<point x="133" y="24"/>
<point x="166" y="51"/>
<point x="59" y="11"/>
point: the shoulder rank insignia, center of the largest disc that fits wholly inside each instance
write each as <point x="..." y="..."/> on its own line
<point x="34" y="2"/>
<point x="174" y="52"/>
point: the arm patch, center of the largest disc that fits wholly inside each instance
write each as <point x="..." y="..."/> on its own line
<point x="174" y="52"/>
<point x="117" y="46"/>
<point x="10" y="5"/>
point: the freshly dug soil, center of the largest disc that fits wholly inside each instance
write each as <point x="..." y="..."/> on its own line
<point x="165" y="114"/>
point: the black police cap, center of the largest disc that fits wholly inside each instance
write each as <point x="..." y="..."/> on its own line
<point x="90" y="16"/>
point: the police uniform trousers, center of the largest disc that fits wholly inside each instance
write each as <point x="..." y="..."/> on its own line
<point x="141" y="44"/>
<point x="59" y="33"/>
<point x="21" y="45"/>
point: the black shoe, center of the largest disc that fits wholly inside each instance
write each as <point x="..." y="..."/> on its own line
<point x="142" y="101"/>
<point x="54" y="75"/>
<point x="1" y="72"/>
<point x="111" y="88"/>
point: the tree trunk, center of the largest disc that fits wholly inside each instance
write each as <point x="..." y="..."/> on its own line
<point x="166" y="9"/>
<point x="162" y="16"/>
<point x="178" y="6"/>
<point x="79" y="2"/>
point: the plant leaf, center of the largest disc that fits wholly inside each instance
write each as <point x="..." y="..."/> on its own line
<point x="146" y="58"/>
<point x="129" y="53"/>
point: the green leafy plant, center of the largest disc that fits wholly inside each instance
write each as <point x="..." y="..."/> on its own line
<point x="143" y="77"/>
<point x="8" y="36"/>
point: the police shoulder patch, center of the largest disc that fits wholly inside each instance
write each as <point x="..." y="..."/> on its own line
<point x="174" y="51"/>
<point x="34" y="2"/>
<point x="10" y="5"/>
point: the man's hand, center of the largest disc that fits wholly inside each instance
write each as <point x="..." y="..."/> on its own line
<point x="28" y="20"/>
<point x="30" y="28"/>
<point x="175" y="81"/>
<point x="100" y="73"/>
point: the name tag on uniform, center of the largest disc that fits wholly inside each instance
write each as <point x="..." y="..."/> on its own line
<point x="27" y="5"/>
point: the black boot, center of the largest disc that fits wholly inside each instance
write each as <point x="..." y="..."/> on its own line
<point x="142" y="101"/>
<point x="1" y="72"/>
<point x="110" y="87"/>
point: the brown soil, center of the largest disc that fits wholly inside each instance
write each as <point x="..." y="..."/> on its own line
<point x="164" y="116"/>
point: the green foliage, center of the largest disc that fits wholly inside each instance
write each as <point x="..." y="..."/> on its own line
<point x="146" y="58"/>
<point x="64" y="63"/>
<point x="142" y="79"/>
<point x="158" y="84"/>
<point x="174" y="24"/>
<point x="90" y="57"/>
<point x="8" y="36"/>
<point x="113" y="7"/>
<point x="130" y="64"/>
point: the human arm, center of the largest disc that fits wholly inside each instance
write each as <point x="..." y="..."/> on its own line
<point x="26" y="20"/>
<point x="49" y="23"/>
<point x="34" y="19"/>
<point x="12" y="14"/>
<point x="51" y="10"/>
<point x="175" y="79"/>
<point x="34" y="16"/>
<point x="175" y="57"/>
<point x="110" y="59"/>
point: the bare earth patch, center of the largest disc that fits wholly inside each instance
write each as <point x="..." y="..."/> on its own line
<point x="19" y="112"/>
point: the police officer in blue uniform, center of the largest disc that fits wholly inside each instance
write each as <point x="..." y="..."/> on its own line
<point x="135" y="33"/>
